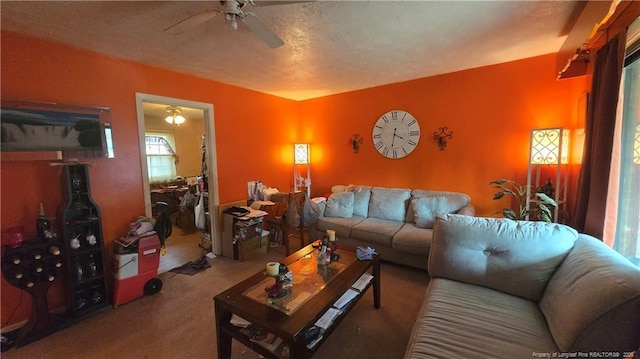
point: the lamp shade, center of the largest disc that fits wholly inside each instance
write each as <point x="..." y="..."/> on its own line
<point x="549" y="146"/>
<point x="301" y="154"/>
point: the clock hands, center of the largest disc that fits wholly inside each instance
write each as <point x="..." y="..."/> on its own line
<point x="393" y="138"/>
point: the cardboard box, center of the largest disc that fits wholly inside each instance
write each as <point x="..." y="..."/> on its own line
<point x="253" y="247"/>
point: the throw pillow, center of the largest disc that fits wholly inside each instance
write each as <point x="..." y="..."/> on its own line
<point x="427" y="208"/>
<point x="340" y="205"/>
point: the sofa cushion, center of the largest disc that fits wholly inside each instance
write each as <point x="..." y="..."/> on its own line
<point x="455" y="200"/>
<point x="515" y="257"/>
<point x="425" y="209"/>
<point x="362" y="194"/>
<point x="459" y="320"/>
<point x="342" y="226"/>
<point x="592" y="299"/>
<point x="412" y="239"/>
<point x="389" y="203"/>
<point x="376" y="230"/>
<point x="339" y="205"/>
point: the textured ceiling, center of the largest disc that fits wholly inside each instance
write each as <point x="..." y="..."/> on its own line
<point x="330" y="46"/>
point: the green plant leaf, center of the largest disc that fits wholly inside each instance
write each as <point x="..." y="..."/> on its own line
<point x="499" y="182"/>
<point x="546" y="199"/>
<point x="508" y="213"/>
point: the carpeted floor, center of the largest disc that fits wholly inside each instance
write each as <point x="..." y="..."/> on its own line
<point x="178" y="322"/>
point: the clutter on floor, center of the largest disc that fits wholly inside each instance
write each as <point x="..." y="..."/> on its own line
<point x="193" y="267"/>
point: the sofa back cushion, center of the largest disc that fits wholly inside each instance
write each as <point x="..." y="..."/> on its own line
<point x="339" y="204"/>
<point x="451" y="202"/>
<point x="389" y="203"/>
<point x="592" y="302"/>
<point x="515" y="257"/>
<point x="361" y="194"/>
<point x="425" y="209"/>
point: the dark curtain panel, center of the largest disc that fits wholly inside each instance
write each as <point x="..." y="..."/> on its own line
<point x="598" y="143"/>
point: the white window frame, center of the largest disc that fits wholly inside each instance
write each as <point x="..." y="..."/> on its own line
<point x="164" y="169"/>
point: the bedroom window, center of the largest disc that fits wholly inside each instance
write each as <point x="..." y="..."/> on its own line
<point x="161" y="156"/>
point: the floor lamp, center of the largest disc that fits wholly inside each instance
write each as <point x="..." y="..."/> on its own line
<point x="549" y="146"/>
<point x="636" y="146"/>
<point x="301" y="157"/>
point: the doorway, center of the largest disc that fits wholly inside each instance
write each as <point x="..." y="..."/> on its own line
<point x="190" y="160"/>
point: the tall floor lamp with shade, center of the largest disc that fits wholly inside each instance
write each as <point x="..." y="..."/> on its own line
<point x="549" y="147"/>
<point x="301" y="157"/>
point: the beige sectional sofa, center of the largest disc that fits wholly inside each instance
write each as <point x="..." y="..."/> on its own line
<point x="506" y="289"/>
<point x="396" y="222"/>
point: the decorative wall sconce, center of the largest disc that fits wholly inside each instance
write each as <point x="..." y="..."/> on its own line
<point x="355" y="141"/>
<point x="442" y="136"/>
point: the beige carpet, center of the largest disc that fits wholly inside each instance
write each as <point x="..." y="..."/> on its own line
<point x="178" y="322"/>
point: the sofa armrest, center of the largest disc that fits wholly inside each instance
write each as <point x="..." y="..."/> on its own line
<point x="592" y="302"/>
<point x="321" y="207"/>
<point x="468" y="210"/>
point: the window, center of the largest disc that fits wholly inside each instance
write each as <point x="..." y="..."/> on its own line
<point x="161" y="157"/>
<point x="624" y="192"/>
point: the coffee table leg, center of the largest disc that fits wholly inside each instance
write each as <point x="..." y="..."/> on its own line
<point x="376" y="282"/>
<point x="223" y="338"/>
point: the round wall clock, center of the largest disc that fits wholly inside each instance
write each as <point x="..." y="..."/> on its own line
<point x="396" y="134"/>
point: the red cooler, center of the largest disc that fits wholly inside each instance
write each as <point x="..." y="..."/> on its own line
<point x="136" y="272"/>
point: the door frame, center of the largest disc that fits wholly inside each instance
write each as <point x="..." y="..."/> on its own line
<point x="211" y="153"/>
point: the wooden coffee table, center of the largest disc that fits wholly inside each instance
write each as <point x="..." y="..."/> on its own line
<point x="316" y="288"/>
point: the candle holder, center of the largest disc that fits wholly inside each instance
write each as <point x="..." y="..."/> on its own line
<point x="283" y="283"/>
<point x="324" y="253"/>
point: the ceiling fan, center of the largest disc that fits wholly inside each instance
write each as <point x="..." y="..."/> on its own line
<point x="232" y="9"/>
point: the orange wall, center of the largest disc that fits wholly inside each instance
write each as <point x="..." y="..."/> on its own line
<point x="489" y="109"/>
<point x="252" y="130"/>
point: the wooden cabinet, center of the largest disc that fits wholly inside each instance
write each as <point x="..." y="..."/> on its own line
<point x="81" y="229"/>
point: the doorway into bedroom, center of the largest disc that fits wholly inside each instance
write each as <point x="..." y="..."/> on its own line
<point x="178" y="159"/>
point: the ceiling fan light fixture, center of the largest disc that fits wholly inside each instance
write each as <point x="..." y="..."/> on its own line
<point x="175" y="117"/>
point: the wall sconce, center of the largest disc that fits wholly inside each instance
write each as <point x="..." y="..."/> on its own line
<point x="301" y="157"/>
<point x="355" y="141"/>
<point x="442" y="136"/>
<point x="636" y="146"/>
<point x="549" y="146"/>
<point x="175" y="117"/>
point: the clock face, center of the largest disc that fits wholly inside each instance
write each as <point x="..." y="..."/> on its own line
<point x="396" y="134"/>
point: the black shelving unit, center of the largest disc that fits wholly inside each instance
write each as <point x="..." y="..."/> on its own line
<point x="81" y="227"/>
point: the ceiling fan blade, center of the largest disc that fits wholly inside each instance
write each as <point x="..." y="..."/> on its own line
<point x="277" y="2"/>
<point x="256" y="25"/>
<point x="192" y="21"/>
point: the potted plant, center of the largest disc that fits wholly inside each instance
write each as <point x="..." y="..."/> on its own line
<point x="538" y="205"/>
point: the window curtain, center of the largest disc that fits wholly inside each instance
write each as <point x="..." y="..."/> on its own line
<point x="599" y="131"/>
